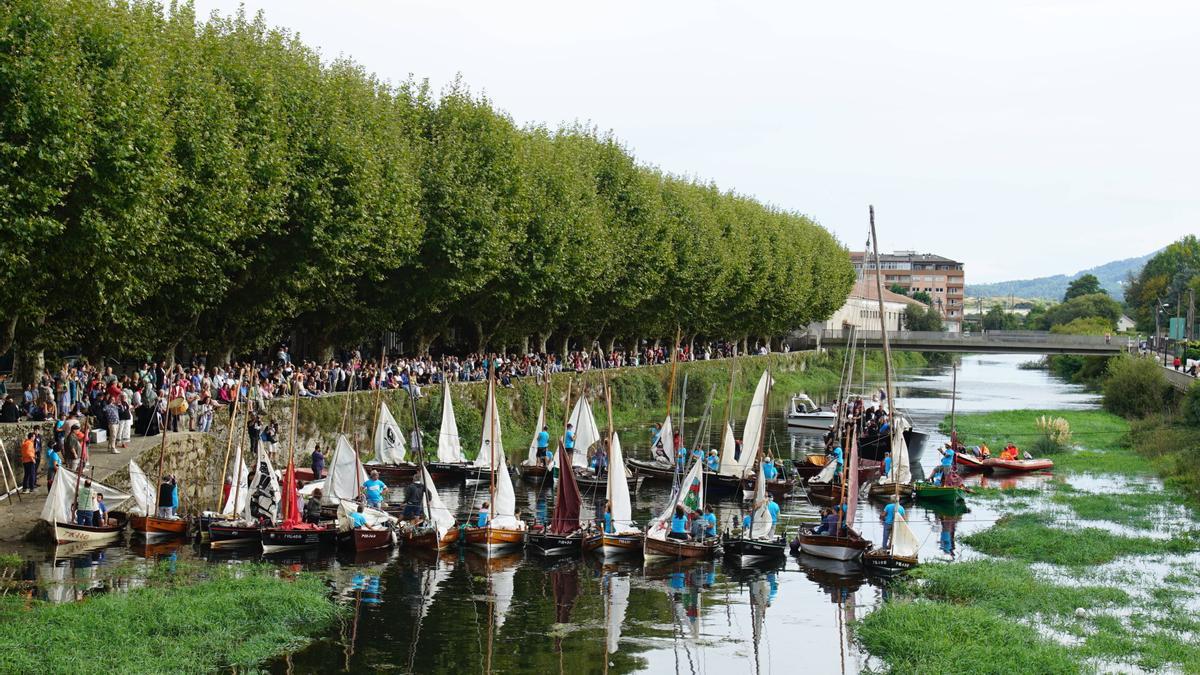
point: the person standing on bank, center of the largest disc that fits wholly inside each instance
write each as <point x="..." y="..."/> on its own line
<point x="29" y="464"/>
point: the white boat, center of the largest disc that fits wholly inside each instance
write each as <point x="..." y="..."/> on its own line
<point x="805" y="414"/>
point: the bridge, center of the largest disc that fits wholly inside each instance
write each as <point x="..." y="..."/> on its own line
<point x="987" y="342"/>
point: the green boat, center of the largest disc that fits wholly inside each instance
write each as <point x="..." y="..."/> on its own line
<point x="931" y="492"/>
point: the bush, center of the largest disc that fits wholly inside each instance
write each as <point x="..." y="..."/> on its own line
<point x="1055" y="435"/>
<point x="1135" y="387"/>
<point x="1191" y="405"/>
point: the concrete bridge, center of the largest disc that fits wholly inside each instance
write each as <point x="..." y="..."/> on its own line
<point x="992" y="341"/>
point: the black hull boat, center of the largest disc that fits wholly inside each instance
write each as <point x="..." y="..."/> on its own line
<point x="227" y="535"/>
<point x="875" y="447"/>
<point x="447" y="471"/>
<point x="553" y="545"/>
<point x="275" y="539"/>
<point x="750" y="550"/>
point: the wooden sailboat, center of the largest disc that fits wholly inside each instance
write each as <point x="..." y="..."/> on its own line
<point x="387" y="441"/>
<point x="625" y="538"/>
<point x="759" y="542"/>
<point x="564" y="536"/>
<point x="689" y="495"/>
<point x="206" y="518"/>
<point x="147" y="523"/>
<point x="503" y="532"/>
<point x="951" y="488"/>
<point x="753" y="436"/>
<point x="844" y="543"/>
<point x="437" y="532"/>
<point x="233" y="525"/>
<point x="61" y="504"/>
<point x="662" y="464"/>
<point x="490" y="437"/>
<point x="292" y="533"/>
<point x="532" y="468"/>
<point x="450" y="462"/>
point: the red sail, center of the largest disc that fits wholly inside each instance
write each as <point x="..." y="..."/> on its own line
<point x="566" y="497"/>
<point x="290" y="513"/>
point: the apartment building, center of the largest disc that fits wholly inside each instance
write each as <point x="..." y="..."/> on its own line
<point x="942" y="278"/>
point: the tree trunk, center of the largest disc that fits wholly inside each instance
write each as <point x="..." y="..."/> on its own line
<point x="562" y="353"/>
<point x="28" y="364"/>
<point x="169" y="355"/>
<point x="745" y="344"/>
<point x="543" y="338"/>
<point x="481" y="339"/>
<point x="423" y="343"/>
<point x="224" y="356"/>
<point x="612" y="345"/>
<point x="8" y="333"/>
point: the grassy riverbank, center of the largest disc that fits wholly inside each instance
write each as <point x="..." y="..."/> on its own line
<point x="201" y="620"/>
<point x="1096" y="570"/>
<point x="639" y="397"/>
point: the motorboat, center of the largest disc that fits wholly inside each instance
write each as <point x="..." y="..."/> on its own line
<point x="803" y="413"/>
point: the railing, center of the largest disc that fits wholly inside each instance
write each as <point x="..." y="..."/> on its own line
<point x="1029" y="337"/>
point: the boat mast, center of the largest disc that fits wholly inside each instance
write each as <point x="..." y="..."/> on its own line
<point x="237" y="396"/>
<point x="491" y="422"/>
<point x="608" y="410"/>
<point x="758" y="453"/>
<point x="670" y="396"/>
<point x="953" y="400"/>
<point x="419" y="443"/>
<point x="887" y="368"/>
<point x="162" y="451"/>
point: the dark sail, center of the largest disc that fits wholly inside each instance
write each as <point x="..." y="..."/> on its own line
<point x="566" y="497"/>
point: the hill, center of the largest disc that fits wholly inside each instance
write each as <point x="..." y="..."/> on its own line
<point x="1111" y="275"/>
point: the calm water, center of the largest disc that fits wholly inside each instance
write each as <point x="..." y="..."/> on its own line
<point x="462" y="613"/>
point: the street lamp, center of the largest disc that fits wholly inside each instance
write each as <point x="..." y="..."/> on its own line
<point x="1158" y="338"/>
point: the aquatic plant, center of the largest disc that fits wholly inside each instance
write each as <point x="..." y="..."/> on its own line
<point x="1055" y="435"/>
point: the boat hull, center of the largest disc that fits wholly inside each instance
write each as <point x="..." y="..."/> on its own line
<point x="614" y="545"/>
<point x="675" y="549"/>
<point x="816" y="422"/>
<point x="927" y="492"/>
<point x="535" y="473"/>
<point x="652" y="470"/>
<point x="223" y="535"/>
<point x="276" y="539"/>
<point x="967" y="462"/>
<point x="752" y="550"/>
<point x="589" y="482"/>
<point x="1017" y="465"/>
<point x="552" y="545"/>
<point x="393" y="473"/>
<point x="494" y="540"/>
<point x="883" y="563"/>
<point x="361" y="539"/>
<point x="834" y="548"/>
<point x="825" y="492"/>
<point x="889" y="490"/>
<point x="71" y="533"/>
<point x="446" y="471"/>
<point x="428" y="540"/>
<point x="153" y="527"/>
<point x="779" y="489"/>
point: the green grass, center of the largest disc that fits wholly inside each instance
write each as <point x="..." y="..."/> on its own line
<point x="1003" y="493"/>
<point x="1173" y="448"/>
<point x="1134" y="509"/>
<point x="10" y="561"/>
<point x="236" y="618"/>
<point x="1030" y="537"/>
<point x="1149" y="642"/>
<point x="1006" y="586"/>
<point x="1101" y="438"/>
<point x="924" y="638"/>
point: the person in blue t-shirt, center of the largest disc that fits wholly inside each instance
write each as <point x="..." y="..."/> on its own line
<point x="681" y="455"/>
<point x="374" y="489"/>
<point x="357" y="519"/>
<point x="679" y="524"/>
<point x="890" y="512"/>
<point x="947" y="457"/>
<point x="769" y="470"/>
<point x="887" y="464"/>
<point x="608" y="519"/>
<point x="484" y="518"/>
<point x="710" y="522"/>
<point x="714" y="461"/>
<point x="773" y="509"/>
<point x="569" y="439"/>
<point x="543" y="446"/>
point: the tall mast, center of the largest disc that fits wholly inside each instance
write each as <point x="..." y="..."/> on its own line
<point x="608" y="410"/>
<point x="419" y="443"/>
<point x="237" y="396"/>
<point x="491" y="422"/>
<point x="887" y="351"/>
<point x="953" y="400"/>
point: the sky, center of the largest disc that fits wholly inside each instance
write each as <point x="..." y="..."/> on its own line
<point x="1022" y="138"/>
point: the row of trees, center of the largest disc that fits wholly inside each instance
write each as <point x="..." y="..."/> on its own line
<point x="1171" y="277"/>
<point x="214" y="185"/>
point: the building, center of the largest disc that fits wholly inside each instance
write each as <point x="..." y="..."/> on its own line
<point x="942" y="278"/>
<point x="1125" y="324"/>
<point x="862" y="309"/>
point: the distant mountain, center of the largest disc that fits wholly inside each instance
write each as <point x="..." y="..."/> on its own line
<point x="1111" y="275"/>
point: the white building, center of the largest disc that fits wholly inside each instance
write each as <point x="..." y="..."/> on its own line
<point x="862" y="309"/>
<point x="1125" y="324"/>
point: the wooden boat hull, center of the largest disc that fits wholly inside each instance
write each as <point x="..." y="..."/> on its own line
<point x="1017" y="465"/>
<point x="614" y="545"/>
<point x="652" y="470"/>
<point x="494" y="540"/>
<point x="930" y="492"/>
<point x="875" y="448"/>
<point x="393" y="474"/>
<point x="553" y="545"/>
<point x="276" y="539"/>
<point x="589" y="483"/>
<point x="717" y="486"/>
<point x="427" y="540"/>
<point x="153" y="527"/>
<point x="535" y="473"/>
<point x="883" y="563"/>
<point x="676" y="549"/>
<point x="752" y="550"/>
<point x="779" y="489"/>
<point x="446" y="471"/>
<point x="825" y="492"/>
<point x="482" y="474"/>
<point x="889" y="490"/>
<point x="966" y="462"/>
<point x="226" y="535"/>
<point x="361" y="539"/>
<point x="807" y="469"/>
<point x="71" y="533"/>
<point x="834" y="548"/>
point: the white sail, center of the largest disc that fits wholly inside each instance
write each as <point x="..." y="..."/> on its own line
<point x="904" y="542"/>
<point x="239" y="491"/>
<point x="760" y="520"/>
<point x="60" y="503"/>
<point x="145" y="496"/>
<point x="760" y="599"/>
<point x="827" y="472"/>
<point x="375" y="518"/>
<point x="901" y="471"/>
<point x="618" y="604"/>
<point x="537" y="429"/>
<point x="667" y="435"/>
<point x="346" y="474"/>
<point x="432" y="578"/>
<point x="730" y="466"/>
<point x="504" y="511"/>
<point x="449" y="449"/>
<point x="264" y="493"/>
<point x="752" y="433"/>
<point x="687" y="496"/>
<point x="587" y="433"/>
<point x="490" y="443"/>
<point x="441" y="517"/>
<point x="618" y="491"/>
<point x="389" y="440"/>
<point x="502" y="591"/>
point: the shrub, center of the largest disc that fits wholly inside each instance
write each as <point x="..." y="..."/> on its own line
<point x="1055" y="435"/>
<point x="1135" y="387"/>
<point x="1191" y="405"/>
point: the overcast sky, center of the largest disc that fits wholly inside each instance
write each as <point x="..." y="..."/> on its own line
<point x="1025" y="138"/>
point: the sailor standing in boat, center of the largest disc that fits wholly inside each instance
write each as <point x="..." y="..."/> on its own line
<point x="890" y="512"/>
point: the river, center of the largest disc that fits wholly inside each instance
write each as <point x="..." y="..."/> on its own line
<point x="461" y="613"/>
